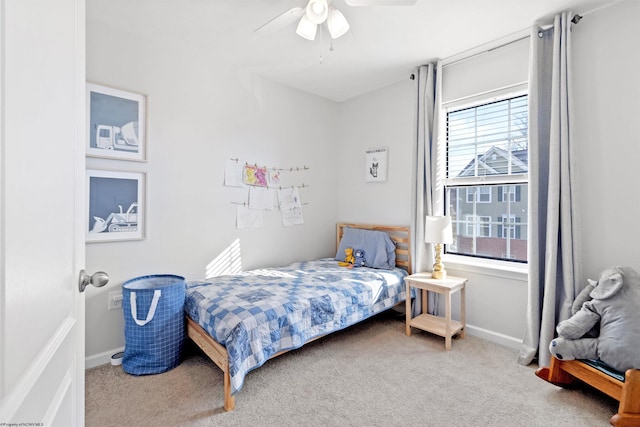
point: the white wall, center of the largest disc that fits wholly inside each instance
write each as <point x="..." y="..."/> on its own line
<point x="201" y="113"/>
<point x="607" y="93"/>
<point x="503" y="67"/>
<point x="384" y="118"/>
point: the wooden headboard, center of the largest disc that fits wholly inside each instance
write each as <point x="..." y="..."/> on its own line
<point x="400" y="235"/>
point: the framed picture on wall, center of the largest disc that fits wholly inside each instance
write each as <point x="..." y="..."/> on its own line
<point x="116" y="124"/>
<point x="376" y="164"/>
<point x="115" y="205"/>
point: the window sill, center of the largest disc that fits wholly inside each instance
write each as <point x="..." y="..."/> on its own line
<point x="488" y="267"/>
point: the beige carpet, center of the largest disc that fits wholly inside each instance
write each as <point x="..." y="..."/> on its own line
<point x="368" y="375"/>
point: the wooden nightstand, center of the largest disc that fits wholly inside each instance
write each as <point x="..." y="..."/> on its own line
<point x="443" y="326"/>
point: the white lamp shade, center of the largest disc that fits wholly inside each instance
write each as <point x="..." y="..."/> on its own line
<point x="306" y="29"/>
<point x="337" y="23"/>
<point x="317" y="11"/>
<point x="437" y="229"/>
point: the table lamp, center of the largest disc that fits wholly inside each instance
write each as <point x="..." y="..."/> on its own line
<point x="437" y="230"/>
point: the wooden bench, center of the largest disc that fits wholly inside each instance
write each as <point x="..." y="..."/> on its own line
<point x="564" y="372"/>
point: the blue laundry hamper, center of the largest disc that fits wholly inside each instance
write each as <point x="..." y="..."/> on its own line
<point x="154" y="333"/>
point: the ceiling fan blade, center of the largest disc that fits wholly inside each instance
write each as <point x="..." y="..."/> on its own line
<point x="281" y="20"/>
<point x="380" y="2"/>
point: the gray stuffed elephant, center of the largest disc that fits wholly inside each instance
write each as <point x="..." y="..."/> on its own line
<point x="614" y="301"/>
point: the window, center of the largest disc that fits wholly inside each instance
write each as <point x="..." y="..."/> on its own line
<point x="482" y="195"/>
<point x="509" y="228"/>
<point x="486" y="179"/>
<point x="477" y="225"/>
<point x="509" y="193"/>
<point x="484" y="226"/>
<point x="470" y="223"/>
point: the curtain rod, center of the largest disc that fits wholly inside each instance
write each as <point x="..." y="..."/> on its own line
<point x="508" y="40"/>
<point x="488" y="47"/>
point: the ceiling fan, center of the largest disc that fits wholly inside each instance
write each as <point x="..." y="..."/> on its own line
<point x="318" y="12"/>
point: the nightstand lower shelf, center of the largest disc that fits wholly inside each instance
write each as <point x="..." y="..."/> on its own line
<point x="435" y="325"/>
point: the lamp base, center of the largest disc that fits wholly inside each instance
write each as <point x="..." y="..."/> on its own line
<point x="438" y="268"/>
<point x="441" y="274"/>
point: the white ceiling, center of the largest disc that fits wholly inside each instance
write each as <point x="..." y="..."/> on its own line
<point x="384" y="45"/>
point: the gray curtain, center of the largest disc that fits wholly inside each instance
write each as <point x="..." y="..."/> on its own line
<point x="554" y="251"/>
<point x="428" y="110"/>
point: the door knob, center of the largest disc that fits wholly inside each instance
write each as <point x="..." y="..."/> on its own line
<point x="97" y="279"/>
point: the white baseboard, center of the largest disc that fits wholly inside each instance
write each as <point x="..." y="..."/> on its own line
<point x="101" y="358"/>
<point x="498" y="338"/>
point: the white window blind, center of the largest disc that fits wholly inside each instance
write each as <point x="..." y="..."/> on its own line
<point x="489" y="139"/>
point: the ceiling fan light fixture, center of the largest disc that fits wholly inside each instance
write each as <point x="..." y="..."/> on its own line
<point x="306" y="29"/>
<point x="337" y="23"/>
<point x="317" y="11"/>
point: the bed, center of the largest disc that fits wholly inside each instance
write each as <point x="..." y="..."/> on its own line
<point x="241" y="321"/>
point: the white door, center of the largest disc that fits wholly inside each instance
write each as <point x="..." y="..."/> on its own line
<point x="42" y="77"/>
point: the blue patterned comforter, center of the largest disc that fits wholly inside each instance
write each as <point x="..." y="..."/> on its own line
<point x="258" y="313"/>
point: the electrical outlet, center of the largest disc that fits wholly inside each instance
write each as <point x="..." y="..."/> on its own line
<point x="115" y="300"/>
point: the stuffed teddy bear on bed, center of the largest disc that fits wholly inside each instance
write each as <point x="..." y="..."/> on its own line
<point x="349" y="259"/>
<point x="614" y="301"/>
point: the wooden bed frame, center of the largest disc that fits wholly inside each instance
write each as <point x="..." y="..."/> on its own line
<point x="218" y="353"/>
<point x="563" y="373"/>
